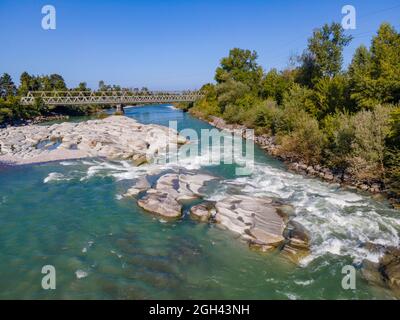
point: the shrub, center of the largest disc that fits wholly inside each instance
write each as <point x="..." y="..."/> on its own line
<point x="332" y="95"/>
<point x="371" y="129"/>
<point x="302" y="98"/>
<point x="208" y="105"/>
<point x="262" y="117"/>
<point x="5" y="114"/>
<point x="233" y="114"/>
<point x="340" y="134"/>
<point x="305" y="142"/>
<point x="229" y="92"/>
<point x="392" y="159"/>
<point x="392" y="178"/>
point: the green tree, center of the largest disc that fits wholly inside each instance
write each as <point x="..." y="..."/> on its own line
<point x="359" y="73"/>
<point x="7" y="86"/>
<point x="102" y="85"/>
<point x="392" y="160"/>
<point x="275" y="84"/>
<point x="241" y="66"/>
<point x="208" y="105"/>
<point x="230" y="92"/>
<point x="300" y="98"/>
<point x="25" y="82"/>
<point x="82" y="86"/>
<point x="375" y="76"/>
<point x="332" y="95"/>
<point x="57" y="82"/>
<point x="324" y="54"/>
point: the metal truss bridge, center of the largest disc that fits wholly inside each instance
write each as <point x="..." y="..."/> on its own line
<point x="116" y="98"/>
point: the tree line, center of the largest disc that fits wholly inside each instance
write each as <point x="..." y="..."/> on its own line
<point x="319" y="112"/>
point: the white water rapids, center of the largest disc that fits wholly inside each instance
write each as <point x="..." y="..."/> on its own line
<point x="338" y="220"/>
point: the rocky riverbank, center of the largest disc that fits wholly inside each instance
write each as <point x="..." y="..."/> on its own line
<point x="268" y="143"/>
<point x="115" y="137"/>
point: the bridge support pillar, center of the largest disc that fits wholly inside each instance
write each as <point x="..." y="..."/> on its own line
<point x="120" y="109"/>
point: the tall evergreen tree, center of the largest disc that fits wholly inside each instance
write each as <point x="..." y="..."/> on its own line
<point x="375" y="73"/>
<point x="7" y="86"/>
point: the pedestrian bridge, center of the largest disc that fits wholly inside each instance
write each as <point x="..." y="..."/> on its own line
<point x="116" y="98"/>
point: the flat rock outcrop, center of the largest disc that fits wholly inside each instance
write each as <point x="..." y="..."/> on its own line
<point x="265" y="224"/>
<point x="254" y="219"/>
<point x="170" y="191"/>
<point x="115" y="137"/>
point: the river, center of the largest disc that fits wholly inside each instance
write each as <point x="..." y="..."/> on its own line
<point x="72" y="215"/>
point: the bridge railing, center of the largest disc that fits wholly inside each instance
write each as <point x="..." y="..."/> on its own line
<point x="73" y="97"/>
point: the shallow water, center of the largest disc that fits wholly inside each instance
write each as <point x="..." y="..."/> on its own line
<point x="72" y="215"/>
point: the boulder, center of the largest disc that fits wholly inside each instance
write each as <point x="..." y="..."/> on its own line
<point x="161" y="204"/>
<point x="266" y="238"/>
<point x="286" y="212"/>
<point x="329" y="176"/>
<point x="170" y="191"/>
<point x="370" y="272"/>
<point x="254" y="219"/>
<point x="202" y="212"/>
<point x="390" y="267"/>
<point x="141" y="185"/>
<point x="386" y="272"/>
<point x="297" y="246"/>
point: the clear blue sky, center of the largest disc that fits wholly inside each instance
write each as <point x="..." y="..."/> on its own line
<point x="167" y="44"/>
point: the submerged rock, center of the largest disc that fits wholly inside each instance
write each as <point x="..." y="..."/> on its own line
<point x="370" y="272"/>
<point x="390" y="268"/>
<point x="297" y="245"/>
<point x="161" y="203"/>
<point x="141" y="185"/>
<point x="386" y="272"/>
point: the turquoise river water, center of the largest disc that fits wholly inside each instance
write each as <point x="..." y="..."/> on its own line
<point x="71" y="215"/>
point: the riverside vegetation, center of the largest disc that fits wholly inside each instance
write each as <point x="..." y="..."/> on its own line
<point x="316" y="114"/>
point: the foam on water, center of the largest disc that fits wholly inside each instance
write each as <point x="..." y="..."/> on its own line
<point x="54" y="176"/>
<point x="303" y="283"/>
<point x="3" y="200"/>
<point x="338" y="221"/>
<point x="80" y="274"/>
